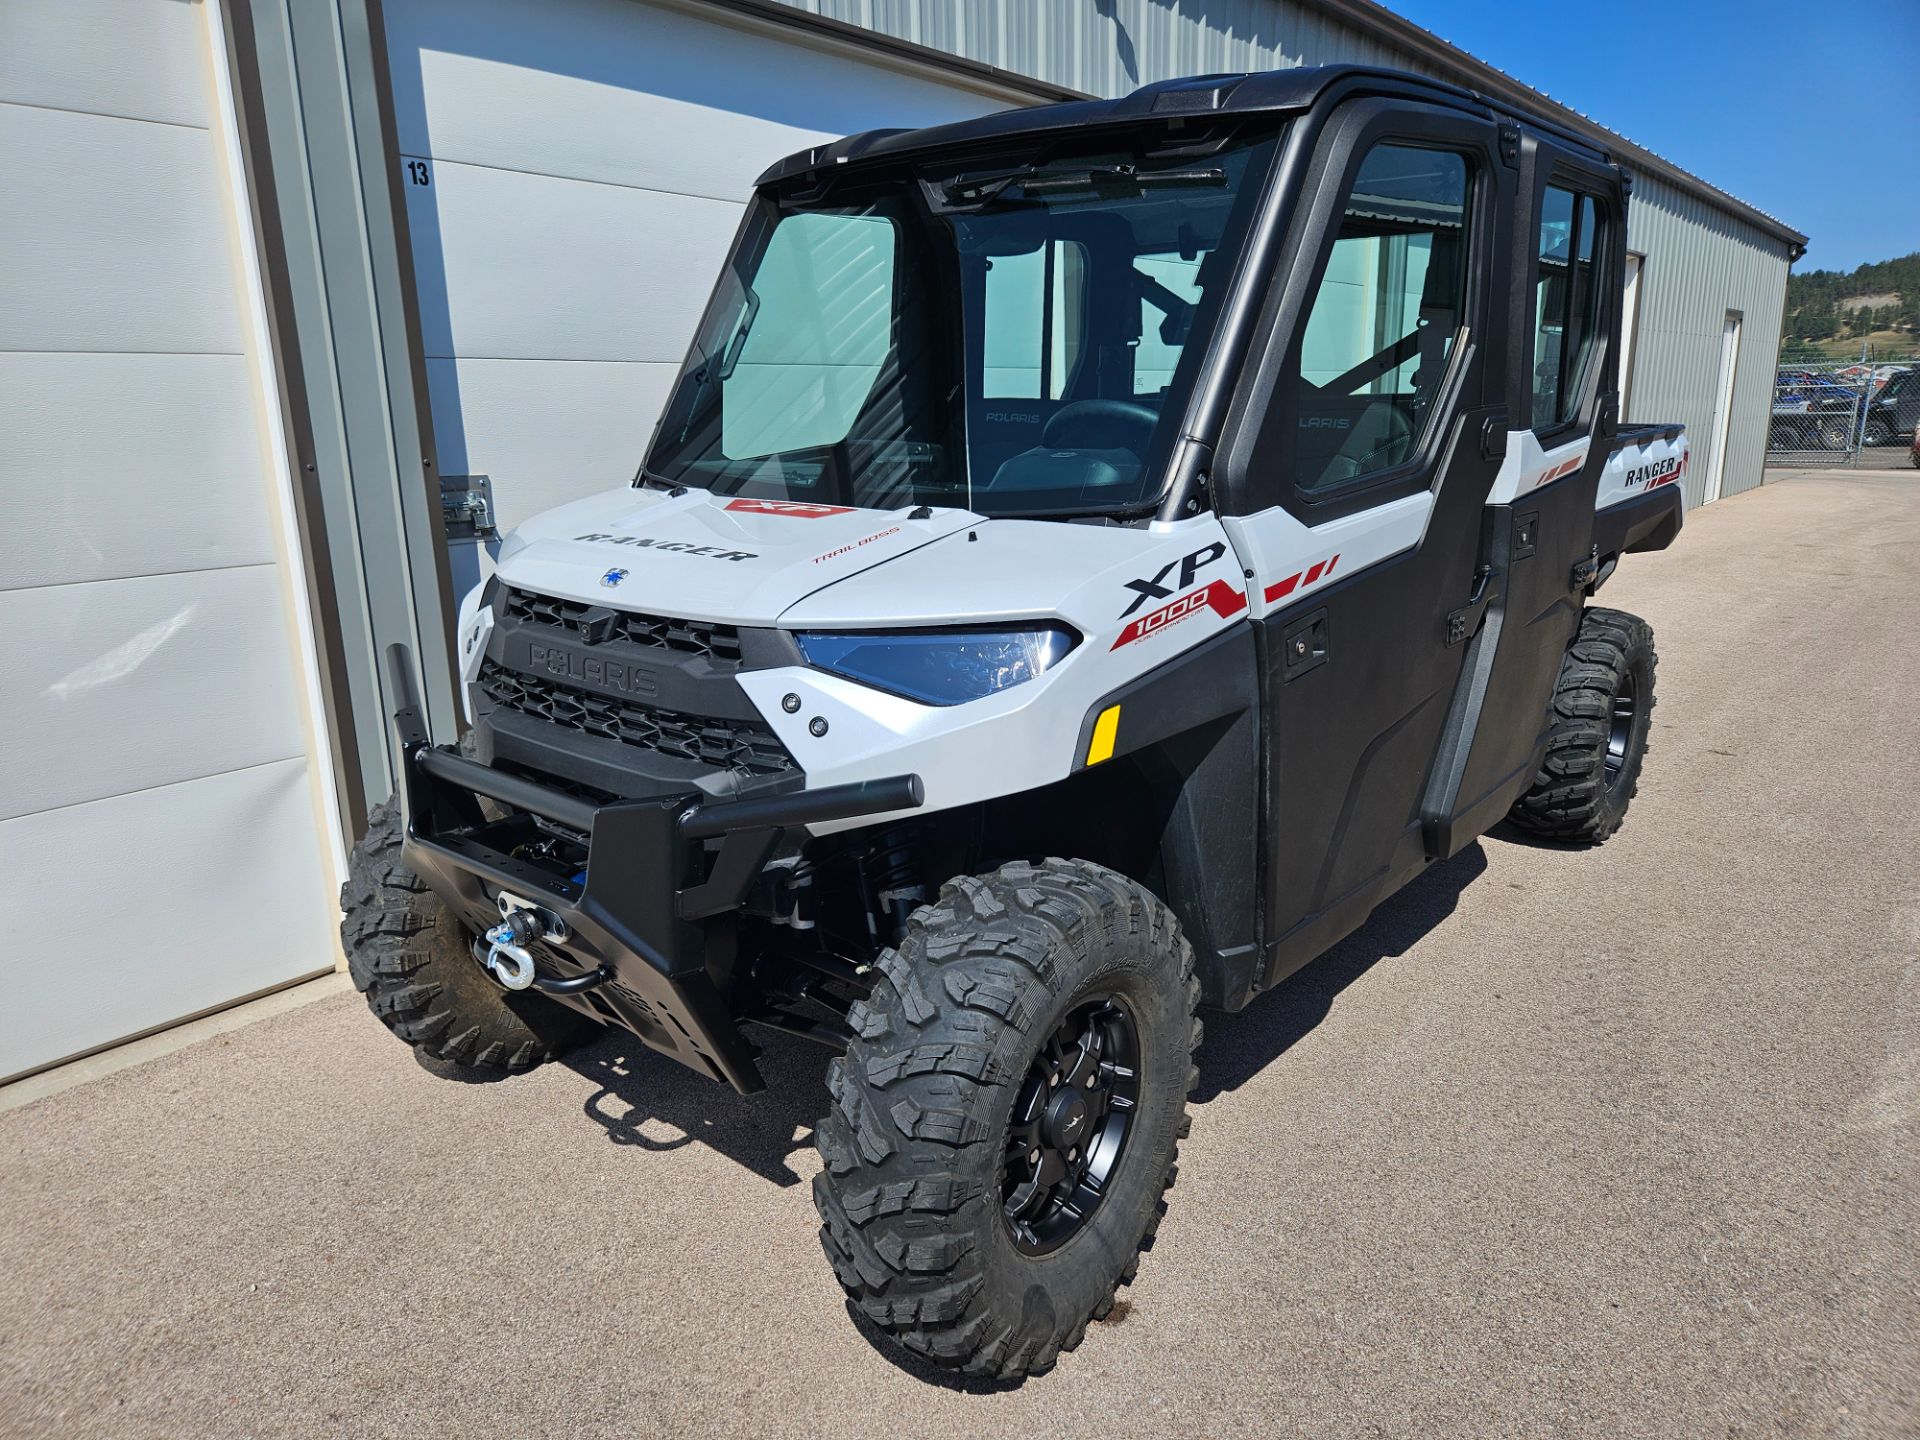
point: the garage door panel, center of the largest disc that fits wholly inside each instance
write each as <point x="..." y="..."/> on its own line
<point x="586" y="88"/>
<point x="119" y="57"/>
<point x="202" y="892"/>
<point x="119" y="465"/>
<point x="547" y="433"/>
<point x="113" y="235"/>
<point x="126" y="684"/>
<point x="516" y="266"/>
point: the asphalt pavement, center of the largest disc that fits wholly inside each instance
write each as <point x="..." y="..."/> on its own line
<point x="1617" y="1143"/>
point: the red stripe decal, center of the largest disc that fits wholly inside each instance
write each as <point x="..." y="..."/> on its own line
<point x="1314" y="573"/>
<point x="1219" y="597"/>
<point x="1330" y="564"/>
<point x="1283" y="588"/>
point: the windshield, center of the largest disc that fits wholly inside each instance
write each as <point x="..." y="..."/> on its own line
<point x="1017" y="339"/>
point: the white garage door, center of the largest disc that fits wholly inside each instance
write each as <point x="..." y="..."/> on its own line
<point x="161" y="847"/>
<point x="574" y="172"/>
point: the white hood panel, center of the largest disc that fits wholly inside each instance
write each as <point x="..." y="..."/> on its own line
<point x="707" y="557"/>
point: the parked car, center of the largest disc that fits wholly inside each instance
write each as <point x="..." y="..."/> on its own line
<point x="1898" y="401"/>
<point x="1817" y="412"/>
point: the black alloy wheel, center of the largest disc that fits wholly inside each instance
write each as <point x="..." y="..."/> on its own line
<point x="1626" y="707"/>
<point x="1068" y="1132"/>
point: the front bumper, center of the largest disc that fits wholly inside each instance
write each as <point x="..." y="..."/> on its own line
<point x="638" y="914"/>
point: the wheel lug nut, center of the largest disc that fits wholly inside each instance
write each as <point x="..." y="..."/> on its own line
<point x="1034" y="1158"/>
<point x="1090" y="1080"/>
<point x="1072" y="1155"/>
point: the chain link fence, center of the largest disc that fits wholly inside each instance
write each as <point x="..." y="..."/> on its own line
<point x="1844" y="412"/>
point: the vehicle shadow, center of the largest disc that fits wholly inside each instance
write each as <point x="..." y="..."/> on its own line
<point x="648" y="1101"/>
<point x="1238" y="1047"/>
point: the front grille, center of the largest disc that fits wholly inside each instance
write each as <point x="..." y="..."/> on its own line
<point x="598" y="624"/>
<point x="724" y="744"/>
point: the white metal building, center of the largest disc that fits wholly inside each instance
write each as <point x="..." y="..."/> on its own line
<point x="278" y="276"/>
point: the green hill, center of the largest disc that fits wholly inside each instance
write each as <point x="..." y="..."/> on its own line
<point x="1830" y="314"/>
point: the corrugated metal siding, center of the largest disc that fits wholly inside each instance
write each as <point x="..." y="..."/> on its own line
<point x="1700" y="264"/>
<point x="1701" y="261"/>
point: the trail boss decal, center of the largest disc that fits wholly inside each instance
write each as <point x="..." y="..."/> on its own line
<point x="682" y="547"/>
<point x="840" y="550"/>
<point x="1660" y="472"/>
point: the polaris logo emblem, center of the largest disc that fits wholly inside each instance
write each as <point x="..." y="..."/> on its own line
<point x="613" y="578"/>
<point x="591" y="670"/>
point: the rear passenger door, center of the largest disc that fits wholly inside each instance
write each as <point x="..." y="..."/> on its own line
<point x="1354" y="477"/>
<point x="1562" y="371"/>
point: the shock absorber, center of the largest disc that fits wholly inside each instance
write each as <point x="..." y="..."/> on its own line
<point x="891" y="875"/>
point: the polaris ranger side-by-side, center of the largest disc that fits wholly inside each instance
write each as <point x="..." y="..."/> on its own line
<point x="1091" y="556"/>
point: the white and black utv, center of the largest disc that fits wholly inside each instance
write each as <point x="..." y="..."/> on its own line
<point x="1091" y="556"/>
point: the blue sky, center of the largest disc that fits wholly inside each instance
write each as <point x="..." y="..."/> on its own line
<point x="1809" y="111"/>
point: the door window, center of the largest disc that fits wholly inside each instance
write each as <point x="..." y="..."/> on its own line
<point x="1566" y="306"/>
<point x="1369" y="363"/>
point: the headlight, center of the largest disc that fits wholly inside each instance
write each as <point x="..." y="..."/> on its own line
<point x="939" y="667"/>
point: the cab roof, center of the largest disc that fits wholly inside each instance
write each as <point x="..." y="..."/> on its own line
<point x="1196" y="98"/>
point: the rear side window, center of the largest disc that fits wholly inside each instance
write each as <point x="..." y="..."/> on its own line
<point x="1566" y="306"/>
<point x="1368" y="366"/>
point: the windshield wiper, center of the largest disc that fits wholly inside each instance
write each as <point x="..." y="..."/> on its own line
<point x="1015" y="187"/>
<point x="1118" y="177"/>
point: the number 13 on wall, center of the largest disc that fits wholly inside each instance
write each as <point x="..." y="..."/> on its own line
<point x="418" y="173"/>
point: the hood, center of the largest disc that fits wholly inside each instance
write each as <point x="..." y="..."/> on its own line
<point x="707" y="557"/>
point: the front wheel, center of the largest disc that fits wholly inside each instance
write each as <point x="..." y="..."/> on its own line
<point x="1007" y="1115"/>
<point x="1602" y="711"/>
<point x="412" y="959"/>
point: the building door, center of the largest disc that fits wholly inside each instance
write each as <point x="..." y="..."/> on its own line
<point x="1629" y="328"/>
<point x="1723" y="407"/>
<point x="574" y="171"/>
<point x="165" y="845"/>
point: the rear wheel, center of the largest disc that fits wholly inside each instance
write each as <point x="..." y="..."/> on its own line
<point x="1006" y="1118"/>
<point x="412" y="959"/>
<point x="1602" y="711"/>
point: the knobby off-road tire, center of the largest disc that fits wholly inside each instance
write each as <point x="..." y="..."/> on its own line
<point x="950" y="1042"/>
<point x="1602" y="711"/>
<point x="410" y="957"/>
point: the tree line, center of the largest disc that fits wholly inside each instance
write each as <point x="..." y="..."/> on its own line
<point x="1815" y="300"/>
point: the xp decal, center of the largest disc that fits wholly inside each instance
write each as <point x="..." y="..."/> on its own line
<point x="1188" y="565"/>
<point x="794" y="509"/>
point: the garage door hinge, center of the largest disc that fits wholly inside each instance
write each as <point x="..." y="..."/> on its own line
<point x="466" y="504"/>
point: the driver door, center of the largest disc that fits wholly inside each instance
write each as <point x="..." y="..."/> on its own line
<point x="1356" y="475"/>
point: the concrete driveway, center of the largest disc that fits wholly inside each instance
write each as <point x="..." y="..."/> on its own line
<point x="1617" y="1144"/>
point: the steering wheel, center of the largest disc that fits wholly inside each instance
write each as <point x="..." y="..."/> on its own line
<point x="1101" y="425"/>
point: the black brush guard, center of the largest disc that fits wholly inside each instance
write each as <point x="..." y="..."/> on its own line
<point x="633" y="934"/>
